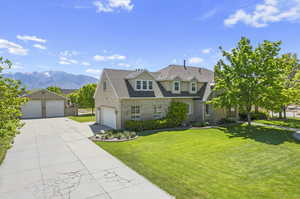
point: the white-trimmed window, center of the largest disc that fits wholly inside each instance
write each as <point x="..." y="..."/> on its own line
<point x="193" y="87"/>
<point x="176" y="86"/>
<point x="135" y="112"/>
<point x="144" y="85"/>
<point x="138" y="84"/>
<point x="157" y="111"/>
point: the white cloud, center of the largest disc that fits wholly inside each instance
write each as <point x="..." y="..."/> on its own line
<point x="31" y="38"/>
<point x="270" y="11"/>
<point x="113" y="5"/>
<point x="67" y="61"/>
<point x="13" y="48"/>
<point x="69" y="53"/>
<point x="85" y="63"/>
<point x="195" y="60"/>
<point x="40" y="46"/>
<point x="111" y="57"/>
<point x="206" y="51"/>
<point x="124" y="65"/>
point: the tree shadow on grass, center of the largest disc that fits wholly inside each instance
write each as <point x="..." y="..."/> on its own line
<point x="262" y="134"/>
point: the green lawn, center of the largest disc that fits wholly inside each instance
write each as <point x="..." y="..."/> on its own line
<point x="225" y="163"/>
<point x="84" y="118"/>
<point x="293" y="123"/>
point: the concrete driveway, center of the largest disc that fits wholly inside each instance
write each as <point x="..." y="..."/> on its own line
<point x="53" y="159"/>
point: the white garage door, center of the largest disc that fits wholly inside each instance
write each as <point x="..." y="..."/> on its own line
<point x="55" y="108"/>
<point x="108" y="117"/>
<point x="32" y="109"/>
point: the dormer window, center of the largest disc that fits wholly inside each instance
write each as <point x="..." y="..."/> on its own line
<point x="144" y="85"/>
<point x="176" y="86"/>
<point x="193" y="87"/>
<point x="138" y="85"/>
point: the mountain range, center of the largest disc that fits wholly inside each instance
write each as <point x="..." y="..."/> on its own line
<point x="45" y="79"/>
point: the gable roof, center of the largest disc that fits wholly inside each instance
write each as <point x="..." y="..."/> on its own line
<point x="120" y="81"/>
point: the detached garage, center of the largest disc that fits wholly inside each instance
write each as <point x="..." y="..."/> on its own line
<point x="107" y="116"/>
<point x="43" y="104"/>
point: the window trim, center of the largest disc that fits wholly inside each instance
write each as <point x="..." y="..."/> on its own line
<point x="179" y="86"/>
<point x="136" y="85"/>
<point x="190" y="111"/>
<point x="157" y="114"/>
<point x="142" y="85"/>
<point x="134" y="115"/>
<point x="191" y="87"/>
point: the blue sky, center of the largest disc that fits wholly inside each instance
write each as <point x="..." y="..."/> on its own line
<point x="85" y="36"/>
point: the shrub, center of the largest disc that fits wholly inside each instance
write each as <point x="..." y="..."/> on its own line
<point x="254" y="116"/>
<point x="199" y="124"/>
<point x="227" y="121"/>
<point x="177" y="113"/>
<point x="147" y="124"/>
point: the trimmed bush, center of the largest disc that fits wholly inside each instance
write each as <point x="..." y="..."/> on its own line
<point x="254" y="116"/>
<point x="199" y="124"/>
<point x="147" y="125"/>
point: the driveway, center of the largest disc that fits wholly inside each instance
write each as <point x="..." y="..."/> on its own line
<point x="54" y="159"/>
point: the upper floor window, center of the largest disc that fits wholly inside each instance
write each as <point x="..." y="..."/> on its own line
<point x="135" y="113"/>
<point x="176" y="86"/>
<point x="138" y="84"/>
<point x="104" y="85"/>
<point x="144" y="85"/>
<point x="193" y="87"/>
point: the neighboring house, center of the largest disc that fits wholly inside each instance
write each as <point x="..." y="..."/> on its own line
<point x="141" y="95"/>
<point x="68" y="91"/>
<point x="44" y="103"/>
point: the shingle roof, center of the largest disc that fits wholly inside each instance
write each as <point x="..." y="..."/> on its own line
<point x="119" y="80"/>
<point x="185" y="73"/>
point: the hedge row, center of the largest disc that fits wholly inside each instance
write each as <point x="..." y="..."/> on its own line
<point x="148" y="124"/>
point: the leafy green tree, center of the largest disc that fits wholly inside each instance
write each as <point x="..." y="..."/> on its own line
<point x="55" y="89"/>
<point x="247" y="76"/>
<point x="288" y="92"/>
<point x="10" y="108"/>
<point x="74" y="97"/>
<point x="86" y="96"/>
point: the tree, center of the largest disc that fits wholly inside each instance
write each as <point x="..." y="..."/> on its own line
<point x="247" y="75"/>
<point x="74" y="97"/>
<point x="177" y="113"/>
<point x="86" y="96"/>
<point x="10" y="107"/>
<point x="288" y="86"/>
<point x="55" y="89"/>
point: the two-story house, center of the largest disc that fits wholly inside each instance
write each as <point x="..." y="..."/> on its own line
<point x="141" y="95"/>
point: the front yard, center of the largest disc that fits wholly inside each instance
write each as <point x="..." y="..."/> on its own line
<point x="292" y="123"/>
<point x="225" y="163"/>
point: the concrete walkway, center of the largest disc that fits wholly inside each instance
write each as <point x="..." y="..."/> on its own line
<point x="53" y="159"/>
<point x="296" y="135"/>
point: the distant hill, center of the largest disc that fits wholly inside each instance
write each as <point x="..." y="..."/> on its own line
<point x="51" y="78"/>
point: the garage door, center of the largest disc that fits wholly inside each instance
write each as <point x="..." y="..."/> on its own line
<point x="108" y="117"/>
<point x="32" y="109"/>
<point x="55" y="108"/>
